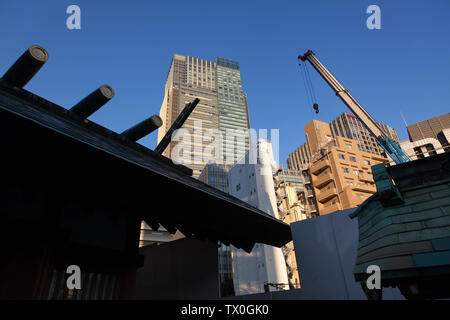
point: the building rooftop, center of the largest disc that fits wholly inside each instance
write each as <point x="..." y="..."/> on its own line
<point x="404" y="228"/>
<point x="48" y="145"/>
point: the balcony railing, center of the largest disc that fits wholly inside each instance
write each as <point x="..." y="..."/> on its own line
<point x="309" y="193"/>
<point x="322" y="180"/>
<point x="326" y="195"/>
<point x="319" y="166"/>
<point x="365" y="188"/>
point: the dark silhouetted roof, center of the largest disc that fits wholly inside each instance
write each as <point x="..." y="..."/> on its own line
<point x="48" y="146"/>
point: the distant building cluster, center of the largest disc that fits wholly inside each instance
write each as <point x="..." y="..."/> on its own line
<point x="331" y="171"/>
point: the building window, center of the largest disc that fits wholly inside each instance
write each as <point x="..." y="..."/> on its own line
<point x="348" y="146"/>
<point x="342" y="156"/>
<point x="353" y="159"/>
<point x="238" y="187"/>
<point x="356" y="172"/>
<point x="367" y="162"/>
<point x="346" y="170"/>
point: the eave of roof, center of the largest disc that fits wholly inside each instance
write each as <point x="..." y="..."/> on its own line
<point x="214" y="215"/>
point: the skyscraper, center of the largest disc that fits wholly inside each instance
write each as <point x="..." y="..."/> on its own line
<point x="223" y="107"/>
<point x="300" y="157"/>
<point x="233" y="111"/>
<point x="216" y="176"/>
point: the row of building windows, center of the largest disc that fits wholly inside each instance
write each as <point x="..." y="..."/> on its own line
<point x="353" y="159"/>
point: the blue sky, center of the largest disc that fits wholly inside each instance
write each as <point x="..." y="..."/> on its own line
<point x="404" y="67"/>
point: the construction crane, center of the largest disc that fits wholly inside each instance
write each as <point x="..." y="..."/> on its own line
<point x="391" y="147"/>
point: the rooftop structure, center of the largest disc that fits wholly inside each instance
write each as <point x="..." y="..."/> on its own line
<point x="404" y="228"/>
<point x="80" y="191"/>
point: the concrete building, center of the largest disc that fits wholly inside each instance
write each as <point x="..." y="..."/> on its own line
<point x="349" y="126"/>
<point x="342" y="176"/>
<point x="336" y="170"/>
<point x="429" y="128"/>
<point x="428" y="138"/>
<point x="299" y="160"/>
<point x="264" y="268"/>
<point x="291" y="206"/>
<point x="300" y="157"/>
<point x="222" y="107"/>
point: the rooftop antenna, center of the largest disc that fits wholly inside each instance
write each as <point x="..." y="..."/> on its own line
<point x="403" y="117"/>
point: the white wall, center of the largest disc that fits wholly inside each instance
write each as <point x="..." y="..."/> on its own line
<point x="252" y="182"/>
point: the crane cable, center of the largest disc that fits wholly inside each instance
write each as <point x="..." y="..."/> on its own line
<point x="311" y="95"/>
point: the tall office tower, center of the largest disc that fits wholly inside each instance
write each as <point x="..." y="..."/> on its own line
<point x="222" y="106"/>
<point x="216" y="176"/>
<point x="233" y="111"/>
<point x="348" y="126"/>
<point x="265" y="267"/>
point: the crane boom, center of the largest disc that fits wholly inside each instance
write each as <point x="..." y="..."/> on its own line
<point x="390" y="146"/>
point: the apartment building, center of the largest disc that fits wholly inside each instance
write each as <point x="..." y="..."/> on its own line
<point x="342" y="176"/>
<point x="289" y="191"/>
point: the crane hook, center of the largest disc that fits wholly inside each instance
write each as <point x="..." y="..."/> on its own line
<point x="316" y="107"/>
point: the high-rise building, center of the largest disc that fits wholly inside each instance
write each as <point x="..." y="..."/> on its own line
<point x="342" y="176"/>
<point x="349" y="126"/>
<point x="429" y="128"/>
<point x="233" y="111"/>
<point x="345" y="133"/>
<point x="216" y="176"/>
<point x="300" y="157"/>
<point x="222" y="106"/>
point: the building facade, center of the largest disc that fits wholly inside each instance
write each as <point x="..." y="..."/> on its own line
<point x="428" y="138"/>
<point x="222" y="107"/>
<point x="300" y="157"/>
<point x="349" y="126"/>
<point x="342" y="176"/>
<point x="429" y="128"/>
<point x="264" y="269"/>
<point x="233" y="112"/>
<point x="344" y="139"/>
<point x="216" y="176"/>
<point x="289" y="191"/>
